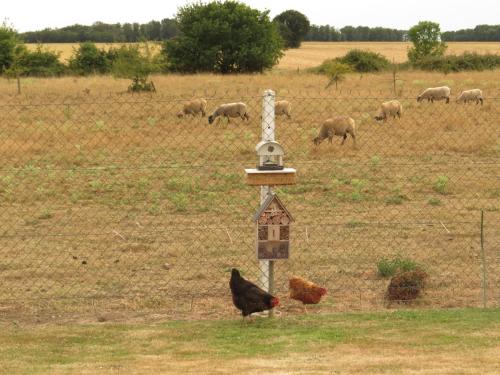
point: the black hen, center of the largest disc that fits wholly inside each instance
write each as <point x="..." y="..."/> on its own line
<point x="248" y="297"/>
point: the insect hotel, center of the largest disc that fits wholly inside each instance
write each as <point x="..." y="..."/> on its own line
<point x="273" y="229"/>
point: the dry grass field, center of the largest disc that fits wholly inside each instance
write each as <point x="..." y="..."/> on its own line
<point x="110" y="203"/>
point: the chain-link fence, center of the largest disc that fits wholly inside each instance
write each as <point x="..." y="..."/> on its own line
<point x="115" y="203"/>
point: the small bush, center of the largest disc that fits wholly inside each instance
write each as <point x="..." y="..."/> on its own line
<point x="375" y="161"/>
<point x="358" y="60"/>
<point x="434" y="201"/>
<point x="335" y="71"/>
<point x="358" y="187"/>
<point x="389" y="267"/>
<point x="129" y="62"/>
<point x="441" y="184"/>
<point x="40" y="63"/>
<point x="141" y="85"/>
<point x="406" y="286"/>
<point x="180" y="201"/>
<point x="365" y="61"/>
<point x="396" y="197"/>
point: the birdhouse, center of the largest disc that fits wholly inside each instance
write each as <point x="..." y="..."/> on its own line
<point x="270" y="155"/>
<point x="273" y="229"/>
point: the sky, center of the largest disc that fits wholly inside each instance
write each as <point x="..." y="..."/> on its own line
<point x="30" y="15"/>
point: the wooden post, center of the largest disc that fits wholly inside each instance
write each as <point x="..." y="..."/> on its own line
<point x="394" y="76"/>
<point x="18" y="83"/>
<point x="268" y="134"/>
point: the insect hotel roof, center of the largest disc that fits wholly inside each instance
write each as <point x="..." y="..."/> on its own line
<point x="265" y="205"/>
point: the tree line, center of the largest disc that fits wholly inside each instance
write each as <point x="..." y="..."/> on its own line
<point x="327" y="33"/>
<point x="481" y="33"/>
<point x="101" y="32"/>
<point x="167" y="28"/>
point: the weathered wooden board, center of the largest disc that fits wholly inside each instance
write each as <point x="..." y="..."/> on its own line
<point x="270" y="178"/>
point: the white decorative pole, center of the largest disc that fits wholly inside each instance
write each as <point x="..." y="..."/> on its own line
<point x="268" y="125"/>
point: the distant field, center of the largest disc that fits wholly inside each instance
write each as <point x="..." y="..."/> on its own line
<point x="313" y="53"/>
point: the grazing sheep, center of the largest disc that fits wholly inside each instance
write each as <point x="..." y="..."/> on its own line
<point x="391" y="108"/>
<point x="435" y="93"/>
<point x="340" y="126"/>
<point x="230" y="110"/>
<point x="194" y="107"/>
<point x="283" y="107"/>
<point x="469" y="95"/>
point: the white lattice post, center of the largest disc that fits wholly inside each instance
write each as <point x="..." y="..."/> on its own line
<point x="268" y="125"/>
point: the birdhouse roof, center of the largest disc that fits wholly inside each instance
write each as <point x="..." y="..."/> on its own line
<point x="263" y="207"/>
<point x="269" y="148"/>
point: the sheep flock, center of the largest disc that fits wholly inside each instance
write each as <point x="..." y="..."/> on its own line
<point x="341" y="126"/>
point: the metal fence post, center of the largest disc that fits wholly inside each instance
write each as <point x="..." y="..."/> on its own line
<point x="483" y="262"/>
<point x="268" y="125"/>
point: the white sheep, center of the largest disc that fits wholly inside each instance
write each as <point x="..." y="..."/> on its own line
<point x="435" y="93"/>
<point x="230" y="110"/>
<point x="471" y="95"/>
<point x="391" y="108"/>
<point x="339" y="126"/>
<point x="283" y="107"/>
<point x="193" y="107"/>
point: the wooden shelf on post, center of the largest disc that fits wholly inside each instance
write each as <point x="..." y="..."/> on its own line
<point x="256" y="177"/>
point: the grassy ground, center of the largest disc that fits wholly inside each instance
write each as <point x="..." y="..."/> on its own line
<point x="423" y="342"/>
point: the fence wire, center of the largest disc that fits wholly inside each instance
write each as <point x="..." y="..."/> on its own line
<point x="115" y="203"/>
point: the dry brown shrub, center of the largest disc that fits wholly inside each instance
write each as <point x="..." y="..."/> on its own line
<point x="406" y="286"/>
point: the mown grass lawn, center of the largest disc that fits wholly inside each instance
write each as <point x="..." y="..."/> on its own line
<point x="447" y="341"/>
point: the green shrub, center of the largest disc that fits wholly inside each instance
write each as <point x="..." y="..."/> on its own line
<point x="365" y="61"/>
<point x="434" y="202"/>
<point x="441" y="184"/>
<point x="468" y="61"/>
<point x="88" y="59"/>
<point x="180" y="201"/>
<point x="357" y="60"/>
<point x="335" y="71"/>
<point x="389" y="267"/>
<point x="40" y="63"/>
<point x="129" y="62"/>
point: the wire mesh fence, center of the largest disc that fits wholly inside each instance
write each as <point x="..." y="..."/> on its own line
<point x="116" y="203"/>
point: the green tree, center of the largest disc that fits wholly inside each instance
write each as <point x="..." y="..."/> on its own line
<point x="426" y="39"/>
<point x="132" y="63"/>
<point x="223" y="37"/>
<point x="293" y="27"/>
<point x="10" y="47"/>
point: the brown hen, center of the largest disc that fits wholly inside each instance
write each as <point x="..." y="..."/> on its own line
<point x="305" y="291"/>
